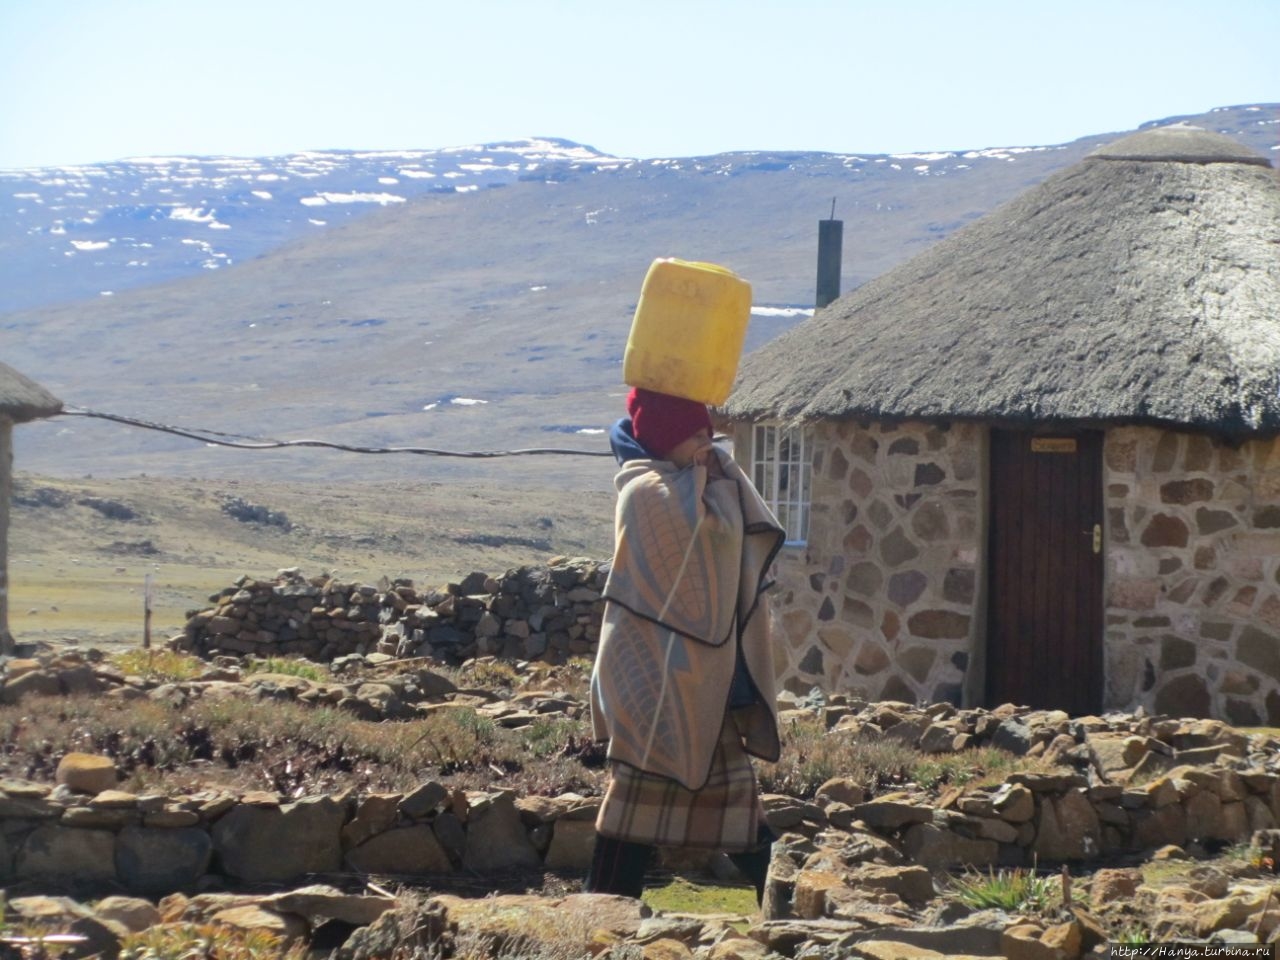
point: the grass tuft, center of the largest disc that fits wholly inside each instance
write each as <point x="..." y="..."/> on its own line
<point x="187" y="941"/>
<point x="1012" y="890"/>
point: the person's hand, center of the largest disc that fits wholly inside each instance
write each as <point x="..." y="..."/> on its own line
<point x="706" y="457"/>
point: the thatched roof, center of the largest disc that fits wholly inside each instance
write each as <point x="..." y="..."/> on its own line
<point x="22" y="399"/>
<point x="1140" y="285"/>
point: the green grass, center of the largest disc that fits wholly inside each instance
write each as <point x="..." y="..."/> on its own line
<point x="291" y="667"/>
<point x="1134" y="936"/>
<point x="685" y="896"/>
<point x="160" y="664"/>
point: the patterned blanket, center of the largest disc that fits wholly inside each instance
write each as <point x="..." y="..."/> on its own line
<point x="689" y="565"/>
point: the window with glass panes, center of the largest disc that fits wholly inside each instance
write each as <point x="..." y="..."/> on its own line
<point x="780" y="468"/>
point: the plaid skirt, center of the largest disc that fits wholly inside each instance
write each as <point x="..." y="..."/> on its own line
<point x="725" y="814"/>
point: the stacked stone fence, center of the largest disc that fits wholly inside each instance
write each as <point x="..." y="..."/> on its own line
<point x="86" y="833"/>
<point x="548" y="614"/>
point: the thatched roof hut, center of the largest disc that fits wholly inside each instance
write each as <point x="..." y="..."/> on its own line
<point x="1040" y="461"/>
<point x="1141" y="285"/>
<point x="22" y="399"/>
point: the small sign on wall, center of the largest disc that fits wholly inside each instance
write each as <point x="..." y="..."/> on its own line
<point x="1053" y="445"/>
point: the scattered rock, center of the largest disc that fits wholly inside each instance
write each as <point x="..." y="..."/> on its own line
<point x="86" y="773"/>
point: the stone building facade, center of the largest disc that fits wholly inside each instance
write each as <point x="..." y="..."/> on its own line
<point x="887" y="597"/>
<point x="1193" y="571"/>
<point x="881" y="599"/>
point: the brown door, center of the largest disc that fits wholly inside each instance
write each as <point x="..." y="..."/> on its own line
<point x="1045" y="614"/>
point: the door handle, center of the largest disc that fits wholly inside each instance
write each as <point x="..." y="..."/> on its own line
<point x="1097" y="538"/>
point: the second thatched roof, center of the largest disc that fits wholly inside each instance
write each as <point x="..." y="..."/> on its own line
<point x="22" y="399"/>
<point x="1140" y="285"/>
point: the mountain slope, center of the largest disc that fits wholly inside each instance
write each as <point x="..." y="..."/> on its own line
<point x="372" y="329"/>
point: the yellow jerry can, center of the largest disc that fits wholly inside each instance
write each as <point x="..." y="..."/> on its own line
<point x="688" y="330"/>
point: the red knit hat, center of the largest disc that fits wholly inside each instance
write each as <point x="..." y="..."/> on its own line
<point x="662" y="422"/>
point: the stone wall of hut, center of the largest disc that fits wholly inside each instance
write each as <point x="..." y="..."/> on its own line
<point x="1193" y="575"/>
<point x="882" y="599"/>
<point x="886" y="600"/>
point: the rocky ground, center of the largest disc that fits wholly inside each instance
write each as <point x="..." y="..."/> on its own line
<point x="936" y="831"/>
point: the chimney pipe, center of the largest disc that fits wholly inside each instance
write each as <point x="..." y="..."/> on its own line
<point x="830" y="242"/>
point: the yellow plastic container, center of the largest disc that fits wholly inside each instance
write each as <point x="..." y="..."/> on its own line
<point x="688" y="330"/>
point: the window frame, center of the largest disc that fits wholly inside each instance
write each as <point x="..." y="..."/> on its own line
<point x="772" y="475"/>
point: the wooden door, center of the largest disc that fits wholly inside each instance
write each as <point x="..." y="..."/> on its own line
<point x="1045" y="613"/>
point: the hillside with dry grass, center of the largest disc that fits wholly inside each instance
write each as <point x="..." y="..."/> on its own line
<point x="80" y="550"/>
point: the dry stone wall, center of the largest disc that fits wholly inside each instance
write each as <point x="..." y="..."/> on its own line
<point x="1145" y="784"/>
<point x="1193" y="575"/>
<point x="549" y="613"/>
<point x="881" y="601"/>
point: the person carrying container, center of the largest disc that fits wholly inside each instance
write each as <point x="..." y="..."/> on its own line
<point x="683" y="686"/>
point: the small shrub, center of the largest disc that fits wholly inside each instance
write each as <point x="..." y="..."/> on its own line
<point x="548" y="735"/>
<point x="811" y="755"/>
<point x="976" y="767"/>
<point x="487" y="672"/>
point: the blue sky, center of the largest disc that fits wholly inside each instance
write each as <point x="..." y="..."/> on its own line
<point x="96" y="80"/>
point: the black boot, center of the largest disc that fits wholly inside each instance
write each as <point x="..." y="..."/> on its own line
<point x="754" y="863"/>
<point x="618" y="866"/>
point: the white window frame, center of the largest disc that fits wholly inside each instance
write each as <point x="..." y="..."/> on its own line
<point x="785" y="482"/>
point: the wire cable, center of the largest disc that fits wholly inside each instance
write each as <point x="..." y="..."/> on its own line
<point x="241" y="442"/>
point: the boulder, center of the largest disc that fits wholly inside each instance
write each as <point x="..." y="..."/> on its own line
<point x="950" y="940"/>
<point x="318" y="903"/>
<point x="403" y="850"/>
<point x="1233" y="911"/>
<point x="665" y="949"/>
<point x="86" y="773"/>
<point x="572" y="844"/>
<point x="255" y="918"/>
<point x="67" y="856"/>
<point x="911" y="883"/>
<point x="812" y="890"/>
<point x="1022" y="942"/>
<point x="377" y="812"/>
<point x="1068" y="828"/>
<point x="496" y="839"/>
<point x="424" y="801"/>
<point x="259" y="844"/>
<point x="35" y="682"/>
<point x="932" y="847"/>
<point x="1159" y="828"/>
<point x="737" y="947"/>
<point x="892" y="812"/>
<point x="840" y="790"/>
<point x="133" y="913"/>
<point x="159" y="860"/>
<point x="1113" y="887"/>
<point x="1014" y="803"/>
